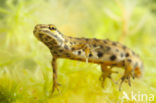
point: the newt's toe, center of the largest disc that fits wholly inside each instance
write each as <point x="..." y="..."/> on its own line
<point x="56" y="86"/>
<point x="123" y="78"/>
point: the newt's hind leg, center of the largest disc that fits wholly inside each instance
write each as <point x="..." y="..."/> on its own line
<point x="128" y="73"/>
<point x="106" y="73"/>
<point x="54" y="66"/>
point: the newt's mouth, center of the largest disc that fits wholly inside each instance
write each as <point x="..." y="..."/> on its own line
<point x="41" y="28"/>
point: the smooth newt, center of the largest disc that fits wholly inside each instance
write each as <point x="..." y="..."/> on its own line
<point x="106" y="53"/>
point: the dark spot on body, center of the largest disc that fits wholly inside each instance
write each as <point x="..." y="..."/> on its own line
<point x="90" y="55"/>
<point x="56" y="46"/>
<point x="129" y="60"/>
<point x="51" y="48"/>
<point x="99" y="54"/>
<point x="124" y="47"/>
<point x="123" y="63"/>
<point x="79" y="52"/>
<point x="121" y="54"/>
<point x="86" y="39"/>
<point x="54" y="43"/>
<point x="112" y="58"/>
<point x="46" y="43"/>
<point x="101" y="46"/>
<point x="58" y="55"/>
<point x="105" y="41"/>
<point x="48" y="37"/>
<point x="74" y="42"/>
<point x="73" y="48"/>
<point x="50" y="43"/>
<point x="45" y="39"/>
<point x="85" y="48"/>
<point x="40" y="35"/>
<point x="114" y="43"/>
<point x="94" y="45"/>
<point x="127" y="54"/>
<point x="60" y="50"/>
<point x="55" y="36"/>
<point x="66" y="47"/>
<point x="117" y="50"/>
<point x="55" y="53"/>
<point x="108" y="48"/>
<point x="68" y="55"/>
<point x="71" y="43"/>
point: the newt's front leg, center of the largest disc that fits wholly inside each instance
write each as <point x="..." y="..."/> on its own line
<point x="54" y="66"/>
<point x="84" y="47"/>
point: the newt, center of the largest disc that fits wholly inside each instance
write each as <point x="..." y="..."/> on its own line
<point x="106" y="53"/>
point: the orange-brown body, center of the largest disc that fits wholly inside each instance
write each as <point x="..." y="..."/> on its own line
<point x="104" y="52"/>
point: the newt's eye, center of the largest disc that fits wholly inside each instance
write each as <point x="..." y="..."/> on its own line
<point x="52" y="28"/>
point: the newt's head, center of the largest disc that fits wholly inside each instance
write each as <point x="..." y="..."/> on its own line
<point x="43" y="32"/>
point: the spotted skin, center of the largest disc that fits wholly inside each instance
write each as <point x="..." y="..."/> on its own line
<point x="106" y="53"/>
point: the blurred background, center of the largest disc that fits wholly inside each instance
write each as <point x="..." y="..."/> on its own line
<point x="25" y="69"/>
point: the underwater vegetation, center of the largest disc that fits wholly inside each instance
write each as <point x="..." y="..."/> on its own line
<point x="25" y="69"/>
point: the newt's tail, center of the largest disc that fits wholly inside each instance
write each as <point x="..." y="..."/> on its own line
<point x="138" y="71"/>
